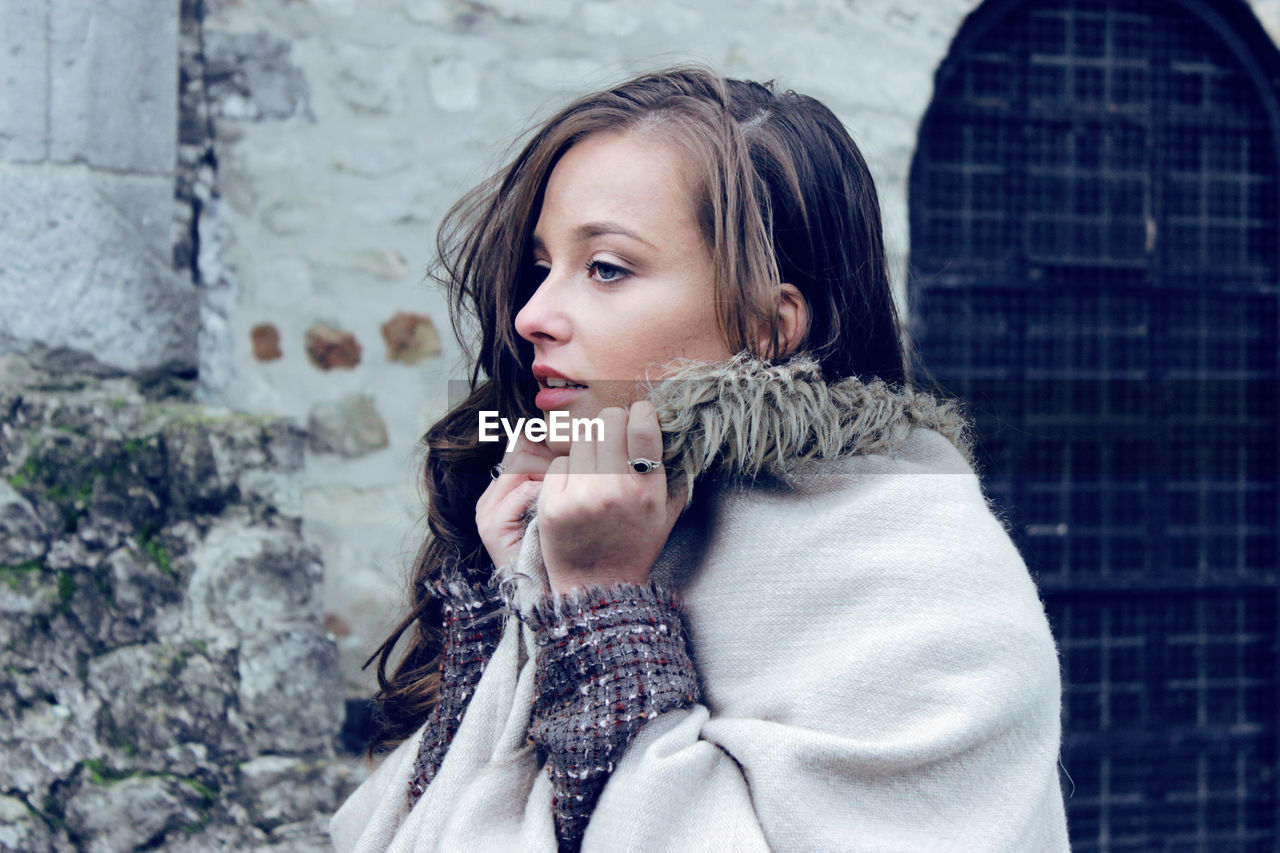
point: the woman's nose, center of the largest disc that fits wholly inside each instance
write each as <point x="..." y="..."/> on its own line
<point x="543" y="319"/>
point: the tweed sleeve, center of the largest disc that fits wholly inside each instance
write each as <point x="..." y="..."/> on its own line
<point x="473" y="619"/>
<point x="608" y="659"/>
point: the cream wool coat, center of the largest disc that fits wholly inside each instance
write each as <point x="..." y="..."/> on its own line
<point x="876" y="666"/>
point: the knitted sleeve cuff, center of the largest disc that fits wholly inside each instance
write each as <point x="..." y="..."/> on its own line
<point x="473" y="620"/>
<point x="609" y="658"/>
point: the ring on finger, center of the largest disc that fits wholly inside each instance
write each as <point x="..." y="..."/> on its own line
<point x="496" y="471"/>
<point x="641" y="465"/>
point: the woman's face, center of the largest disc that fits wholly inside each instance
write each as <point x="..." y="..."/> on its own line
<point x="628" y="280"/>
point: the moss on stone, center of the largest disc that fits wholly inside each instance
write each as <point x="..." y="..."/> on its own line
<point x="12" y="575"/>
<point x="208" y="794"/>
<point x="52" y="813"/>
<point x="26" y="475"/>
<point x="157" y="552"/>
<point x="66" y="586"/>
<point x="101" y="774"/>
<point x="196" y="826"/>
<point x="105" y="590"/>
<point x="181" y="414"/>
<point x="119" y="742"/>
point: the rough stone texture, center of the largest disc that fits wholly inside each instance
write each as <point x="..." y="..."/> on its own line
<point x="24" y="536"/>
<point x="330" y="348"/>
<point x="350" y="427"/>
<point x="289" y="696"/>
<point x="160" y="627"/>
<point x="249" y="76"/>
<point x="87" y="280"/>
<point x="410" y="338"/>
<point x="134" y="812"/>
<point x="385" y="264"/>
<point x="24" y="82"/>
<point x="99" y="49"/>
<point x="21" y="828"/>
<point x="279" y="790"/>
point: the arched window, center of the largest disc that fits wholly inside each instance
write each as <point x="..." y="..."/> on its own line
<point x="1094" y="230"/>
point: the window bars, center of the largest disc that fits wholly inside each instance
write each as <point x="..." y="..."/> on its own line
<point x="1094" y="270"/>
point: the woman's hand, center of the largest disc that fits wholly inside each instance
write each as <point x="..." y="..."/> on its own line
<point x="599" y="521"/>
<point x="500" y="510"/>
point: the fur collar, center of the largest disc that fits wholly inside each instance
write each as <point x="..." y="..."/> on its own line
<point x="747" y="416"/>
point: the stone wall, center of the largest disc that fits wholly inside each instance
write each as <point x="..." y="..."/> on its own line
<point x="168" y="680"/>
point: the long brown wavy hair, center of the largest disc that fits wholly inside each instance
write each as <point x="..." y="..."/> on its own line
<point x="782" y="194"/>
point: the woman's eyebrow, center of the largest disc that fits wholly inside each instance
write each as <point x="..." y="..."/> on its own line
<point x="587" y="230"/>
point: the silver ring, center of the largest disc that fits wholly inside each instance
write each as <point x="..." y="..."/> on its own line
<point x="643" y="466"/>
<point x="496" y="471"/>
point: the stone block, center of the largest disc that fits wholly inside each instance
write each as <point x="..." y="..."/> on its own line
<point x="220" y="459"/>
<point x="130" y="813"/>
<point x="265" y="338"/>
<point x="328" y="347"/>
<point x="248" y="579"/>
<point x="249" y="76"/>
<point x="410" y="338"/>
<point x="161" y="695"/>
<point x="20" y="828"/>
<point x="144" y="593"/>
<point x="290" y="690"/>
<point x="349" y="426"/>
<point x="386" y="264"/>
<point x="87" y="282"/>
<point x="24" y="535"/>
<point x="46" y="739"/>
<point x="113" y="101"/>
<point x="455" y="84"/>
<point x="278" y="790"/>
<point x="368" y="81"/>
<point x="294" y="214"/>
<point x="24" y="81"/>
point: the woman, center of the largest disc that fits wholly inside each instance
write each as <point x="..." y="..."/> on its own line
<point x="767" y="606"/>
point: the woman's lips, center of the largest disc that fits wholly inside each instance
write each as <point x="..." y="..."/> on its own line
<point x="556" y="398"/>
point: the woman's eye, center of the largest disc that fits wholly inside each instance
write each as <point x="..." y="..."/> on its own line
<point x="603" y="272"/>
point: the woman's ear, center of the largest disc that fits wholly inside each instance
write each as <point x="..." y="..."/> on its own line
<point x="793" y="321"/>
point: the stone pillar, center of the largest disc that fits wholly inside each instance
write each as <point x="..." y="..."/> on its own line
<point x="88" y="147"/>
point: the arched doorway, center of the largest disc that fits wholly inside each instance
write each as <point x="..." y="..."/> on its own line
<point x="1094" y="226"/>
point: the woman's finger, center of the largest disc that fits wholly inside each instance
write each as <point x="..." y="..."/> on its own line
<point x="517" y="501"/>
<point x="536" y="450"/>
<point x="644" y="436"/>
<point x="611" y="450"/>
<point x="515" y="464"/>
<point x="523" y="462"/>
<point x="556" y="478"/>
<point x="582" y="455"/>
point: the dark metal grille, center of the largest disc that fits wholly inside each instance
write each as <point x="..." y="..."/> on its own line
<point x="1094" y="269"/>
